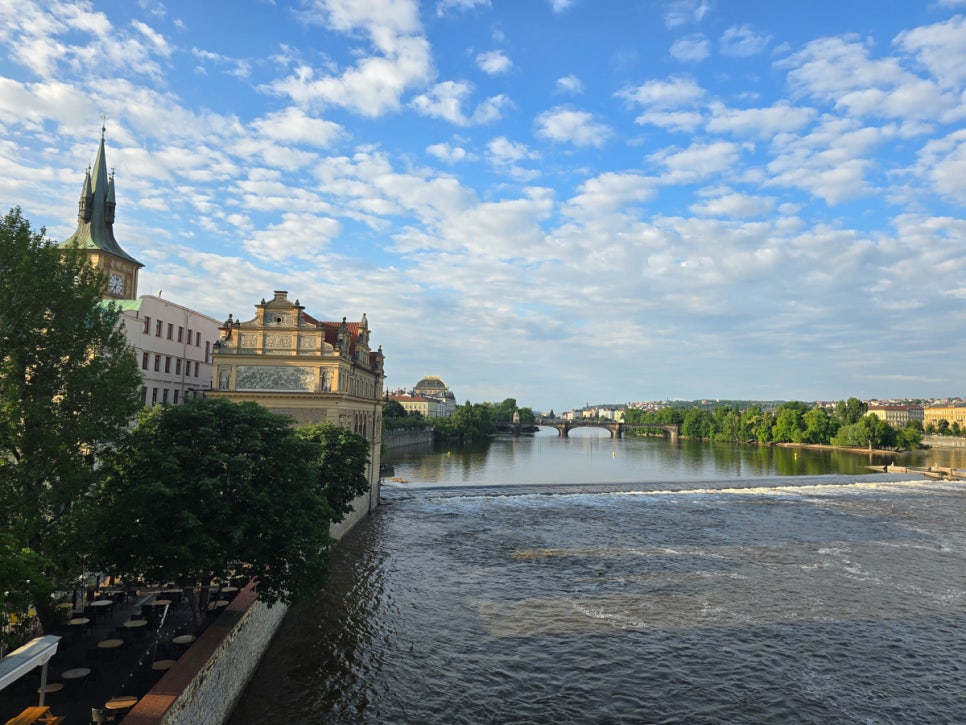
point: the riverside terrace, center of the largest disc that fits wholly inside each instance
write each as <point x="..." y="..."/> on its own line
<point x="114" y="647"/>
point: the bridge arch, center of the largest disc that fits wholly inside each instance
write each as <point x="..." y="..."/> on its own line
<point x="616" y="429"/>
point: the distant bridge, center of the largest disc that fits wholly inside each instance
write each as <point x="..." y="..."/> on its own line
<point x="616" y="429"/>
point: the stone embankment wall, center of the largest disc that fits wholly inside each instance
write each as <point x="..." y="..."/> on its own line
<point x="207" y="681"/>
<point x="402" y="438"/>
<point x="944" y="441"/>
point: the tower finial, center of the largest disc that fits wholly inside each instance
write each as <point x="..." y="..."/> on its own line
<point x="103" y="125"/>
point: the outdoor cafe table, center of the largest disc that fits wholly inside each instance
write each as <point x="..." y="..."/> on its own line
<point x="184" y="639"/>
<point x="135" y="623"/>
<point x="77" y="673"/>
<point x="162" y="665"/>
<point x="121" y="703"/>
<point x="110" y="643"/>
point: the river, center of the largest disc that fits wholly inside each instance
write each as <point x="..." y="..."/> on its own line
<point x="591" y="580"/>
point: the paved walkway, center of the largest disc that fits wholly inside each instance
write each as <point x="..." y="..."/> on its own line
<point x="111" y="656"/>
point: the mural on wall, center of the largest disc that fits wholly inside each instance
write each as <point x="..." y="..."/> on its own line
<point x="262" y="377"/>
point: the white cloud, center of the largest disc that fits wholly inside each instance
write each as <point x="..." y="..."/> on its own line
<point x="445" y="101"/>
<point x="570" y="84"/>
<point x="564" y="125"/>
<point x="759" y="122"/>
<point x="448" y="153"/>
<point x="609" y="193"/>
<point x="506" y="155"/>
<point x="558" y="6"/>
<point x="943" y="163"/>
<point x="494" y="62"/>
<point x="728" y="203"/>
<point x="673" y="93"/>
<point x="376" y="83"/>
<point x="692" y="49"/>
<point x="293" y="125"/>
<point x="444" y="7"/>
<point x="742" y="41"/>
<point x="698" y="161"/>
<point x="940" y="48"/>
<point x="683" y="12"/>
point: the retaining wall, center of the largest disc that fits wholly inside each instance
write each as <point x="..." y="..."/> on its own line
<point x="944" y="441"/>
<point x="203" y="687"/>
<point x="402" y="438"/>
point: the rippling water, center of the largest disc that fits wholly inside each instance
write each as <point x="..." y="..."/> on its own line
<point x="831" y="599"/>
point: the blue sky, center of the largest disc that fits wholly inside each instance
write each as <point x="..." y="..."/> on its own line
<point x="562" y="201"/>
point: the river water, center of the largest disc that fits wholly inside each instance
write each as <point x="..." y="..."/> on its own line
<point x="590" y="580"/>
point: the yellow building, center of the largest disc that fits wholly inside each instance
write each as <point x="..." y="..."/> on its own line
<point x="309" y="370"/>
<point x="897" y="415"/>
<point x="426" y="407"/>
<point x="950" y="413"/>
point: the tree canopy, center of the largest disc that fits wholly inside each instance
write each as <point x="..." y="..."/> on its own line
<point x="69" y="386"/>
<point x="211" y="487"/>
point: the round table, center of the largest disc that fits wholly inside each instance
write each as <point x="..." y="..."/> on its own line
<point x="121" y="703"/>
<point x="103" y="603"/>
<point x="110" y="643"/>
<point x="184" y="639"/>
<point x="78" y="621"/>
<point x="78" y="673"/>
<point x="163" y="664"/>
<point x="162" y="602"/>
<point x="51" y="687"/>
<point x="135" y="623"/>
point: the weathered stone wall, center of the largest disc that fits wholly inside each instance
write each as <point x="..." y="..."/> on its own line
<point x="944" y="441"/>
<point x="204" y="686"/>
<point x="360" y="509"/>
<point x="402" y="438"/>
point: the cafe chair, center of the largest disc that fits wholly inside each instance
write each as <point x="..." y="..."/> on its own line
<point x="100" y="715"/>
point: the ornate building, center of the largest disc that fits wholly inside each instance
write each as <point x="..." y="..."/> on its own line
<point x="95" y="231"/>
<point x="309" y="370"/>
<point x="434" y="388"/>
<point x="171" y="342"/>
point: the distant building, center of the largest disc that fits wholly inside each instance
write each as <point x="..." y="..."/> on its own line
<point x="172" y="343"/>
<point x="434" y="388"/>
<point x="897" y="415"/>
<point x="950" y="413"/>
<point x="426" y="407"/>
<point x="310" y="370"/>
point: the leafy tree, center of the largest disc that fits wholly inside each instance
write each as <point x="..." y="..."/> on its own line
<point x="850" y="411"/>
<point x="819" y="426"/>
<point x="210" y="487"/>
<point x="697" y="423"/>
<point x="393" y="409"/>
<point x="909" y="436"/>
<point x="341" y="464"/>
<point x="789" y="424"/>
<point x="527" y="415"/>
<point x="69" y="386"/>
<point x="942" y="427"/>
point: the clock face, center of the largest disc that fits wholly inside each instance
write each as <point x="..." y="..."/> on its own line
<point x="115" y="284"/>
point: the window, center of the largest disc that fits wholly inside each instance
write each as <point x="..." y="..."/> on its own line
<point x="154" y="396"/>
<point x="175" y="396"/>
<point x="177" y="366"/>
<point x="189" y="335"/>
<point x="167" y="364"/>
<point x="147" y="325"/>
<point x="157" y="363"/>
<point x="196" y="369"/>
<point x="198" y="339"/>
<point x="144" y="360"/>
<point x="157" y="328"/>
<point x="170" y="331"/>
<point x="164" y="398"/>
<point x="180" y="333"/>
<point x="144" y="394"/>
<point x="207" y="349"/>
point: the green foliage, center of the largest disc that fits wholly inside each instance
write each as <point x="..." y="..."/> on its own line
<point x="69" y="386"/>
<point x="471" y="420"/>
<point x="208" y="487"/>
<point x="21" y="571"/>
<point x="341" y="463"/>
<point x="393" y="410"/>
<point x="527" y="415"/>
<point x="851" y="411"/>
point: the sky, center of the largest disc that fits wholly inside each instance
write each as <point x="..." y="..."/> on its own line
<point x="560" y="201"/>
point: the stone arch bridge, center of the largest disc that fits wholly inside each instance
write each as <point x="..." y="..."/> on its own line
<point x="616" y="429"/>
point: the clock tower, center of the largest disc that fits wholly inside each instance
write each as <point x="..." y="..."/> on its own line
<point x="95" y="231"/>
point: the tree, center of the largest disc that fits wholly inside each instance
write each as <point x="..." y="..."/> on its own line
<point x="211" y="487"/>
<point x="850" y="411"/>
<point x="393" y="409"/>
<point x="69" y="386"/>
<point x="341" y="464"/>
<point x="819" y="426"/>
<point x="789" y="424"/>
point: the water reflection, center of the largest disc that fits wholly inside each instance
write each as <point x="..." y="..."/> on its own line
<point x="590" y="455"/>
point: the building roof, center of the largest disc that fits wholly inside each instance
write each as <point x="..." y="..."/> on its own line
<point x="95" y="218"/>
